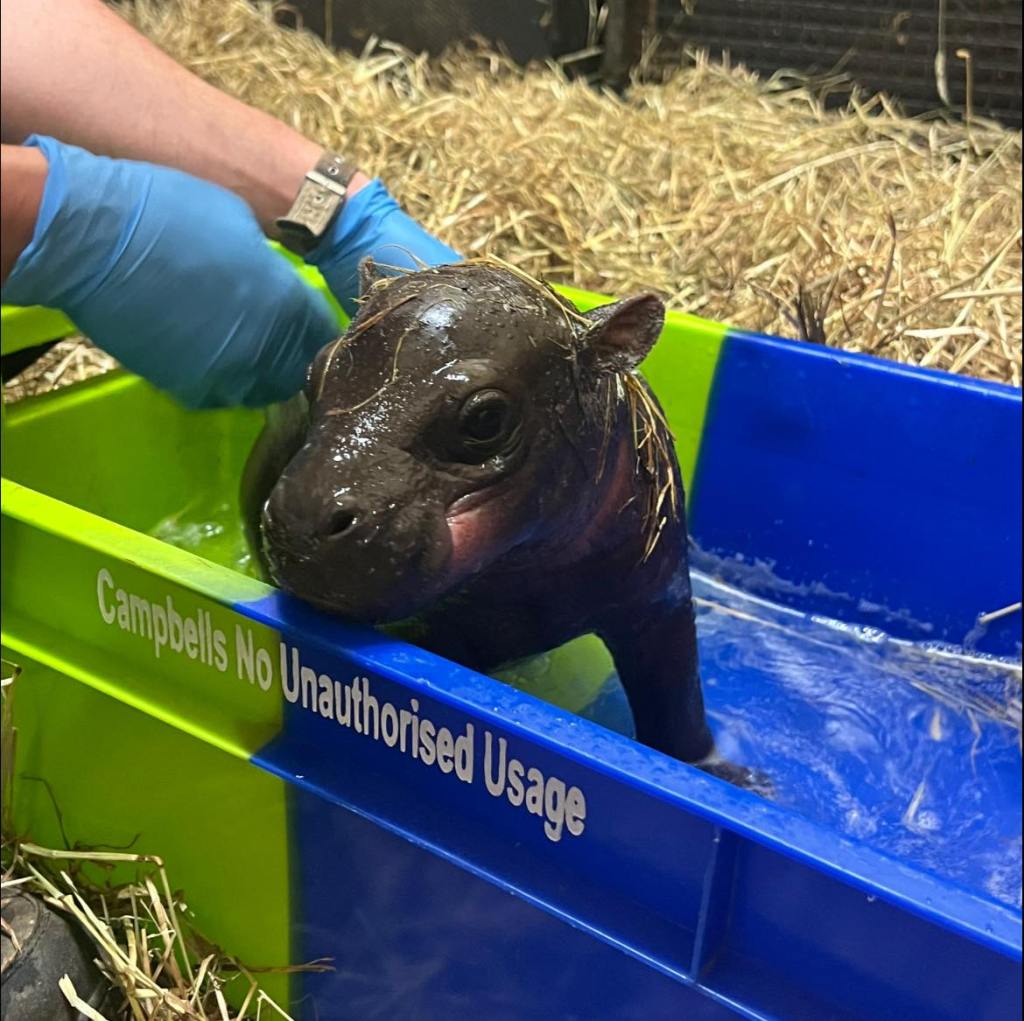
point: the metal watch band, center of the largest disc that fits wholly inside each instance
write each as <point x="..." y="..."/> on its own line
<point x="320" y="199"/>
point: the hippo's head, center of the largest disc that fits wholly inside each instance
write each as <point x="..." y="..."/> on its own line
<point x="454" y="426"/>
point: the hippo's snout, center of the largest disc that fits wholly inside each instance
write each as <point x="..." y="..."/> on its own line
<point x="295" y="531"/>
<point x="289" y="525"/>
<point x="370" y="561"/>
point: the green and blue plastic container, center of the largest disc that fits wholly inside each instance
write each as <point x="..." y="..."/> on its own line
<point x="170" y="697"/>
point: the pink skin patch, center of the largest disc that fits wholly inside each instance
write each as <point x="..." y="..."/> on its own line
<point x="477" y="536"/>
<point x="478" y="523"/>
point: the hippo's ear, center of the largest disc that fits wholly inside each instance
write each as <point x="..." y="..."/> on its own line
<point x="369" y="274"/>
<point x="624" y="333"/>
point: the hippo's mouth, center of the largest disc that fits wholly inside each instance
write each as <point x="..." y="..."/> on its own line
<point x="474" y="499"/>
<point x="366" y="586"/>
<point x="477" y="526"/>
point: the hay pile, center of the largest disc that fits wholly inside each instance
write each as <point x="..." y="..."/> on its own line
<point x="714" y="188"/>
<point x="68" y="361"/>
<point x="739" y="199"/>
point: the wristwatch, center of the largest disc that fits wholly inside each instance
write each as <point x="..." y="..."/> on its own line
<point x="320" y="200"/>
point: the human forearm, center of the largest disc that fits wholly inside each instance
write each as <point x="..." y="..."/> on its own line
<point x="120" y="95"/>
<point x="24" y="176"/>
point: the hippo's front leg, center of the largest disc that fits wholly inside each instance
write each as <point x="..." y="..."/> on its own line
<point x="655" y="653"/>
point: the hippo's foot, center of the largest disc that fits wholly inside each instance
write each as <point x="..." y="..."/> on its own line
<point x="39" y="946"/>
<point x="739" y="776"/>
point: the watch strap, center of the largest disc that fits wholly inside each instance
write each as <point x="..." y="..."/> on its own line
<point x="320" y="199"/>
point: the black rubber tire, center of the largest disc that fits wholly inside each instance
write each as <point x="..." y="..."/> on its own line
<point x="51" y="945"/>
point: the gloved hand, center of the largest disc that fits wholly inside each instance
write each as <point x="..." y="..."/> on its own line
<point x="173" y="277"/>
<point x="372" y="224"/>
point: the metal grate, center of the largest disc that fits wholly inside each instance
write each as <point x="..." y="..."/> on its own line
<point x="882" y="46"/>
<point x="887" y="46"/>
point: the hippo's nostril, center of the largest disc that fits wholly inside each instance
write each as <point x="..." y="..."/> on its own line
<point x="340" y="522"/>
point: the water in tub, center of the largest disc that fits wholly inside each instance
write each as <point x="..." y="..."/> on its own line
<point x="904" y="745"/>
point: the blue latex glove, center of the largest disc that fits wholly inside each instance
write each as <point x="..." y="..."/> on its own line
<point x="173" y="277"/>
<point x="373" y="224"/>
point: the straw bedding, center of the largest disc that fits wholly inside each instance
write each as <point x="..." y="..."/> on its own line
<point x="735" y="198"/>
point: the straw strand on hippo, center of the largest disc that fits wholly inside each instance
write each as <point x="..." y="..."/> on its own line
<point x="475" y="454"/>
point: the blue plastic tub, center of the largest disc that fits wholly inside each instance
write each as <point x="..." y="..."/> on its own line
<point x="878" y="498"/>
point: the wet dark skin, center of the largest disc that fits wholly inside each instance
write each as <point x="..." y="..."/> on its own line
<point x="464" y="461"/>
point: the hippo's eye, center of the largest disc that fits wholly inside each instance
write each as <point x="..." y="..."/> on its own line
<point x="485" y="418"/>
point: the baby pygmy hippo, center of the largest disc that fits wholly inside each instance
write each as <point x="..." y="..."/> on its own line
<point x="476" y="455"/>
